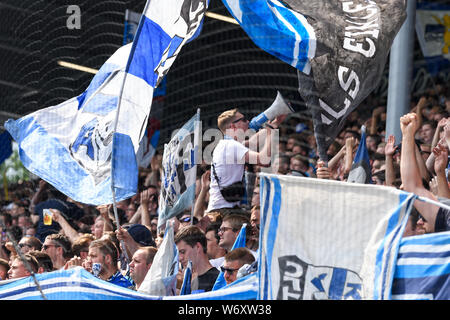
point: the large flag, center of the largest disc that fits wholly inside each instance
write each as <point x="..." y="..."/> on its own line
<point x="240" y="242"/>
<point x="339" y="48"/>
<point x="78" y="284"/>
<point x="324" y="239"/>
<point x="179" y="166"/>
<point x="86" y="145"/>
<point x="423" y="268"/>
<point x="161" y="279"/>
<point x="361" y="171"/>
<point x="432" y="29"/>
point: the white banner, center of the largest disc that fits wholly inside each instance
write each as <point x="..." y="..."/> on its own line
<point x="179" y="164"/>
<point x="324" y="239"/>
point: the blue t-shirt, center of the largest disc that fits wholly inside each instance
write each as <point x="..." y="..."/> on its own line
<point x="119" y="279"/>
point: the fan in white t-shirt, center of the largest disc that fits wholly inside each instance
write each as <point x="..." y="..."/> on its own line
<point x="233" y="152"/>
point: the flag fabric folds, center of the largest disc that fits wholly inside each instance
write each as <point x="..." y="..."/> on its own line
<point x="71" y="284"/>
<point x="338" y="47"/>
<point x="179" y="166"/>
<point x="187" y="278"/>
<point x="423" y="268"/>
<point x="345" y="235"/>
<point x="79" y="284"/>
<point x="161" y="279"/>
<point x="85" y="145"/>
<point x="361" y="171"/>
<point x="240" y="242"/>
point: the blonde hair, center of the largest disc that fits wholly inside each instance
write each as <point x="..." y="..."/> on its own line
<point x="225" y="118"/>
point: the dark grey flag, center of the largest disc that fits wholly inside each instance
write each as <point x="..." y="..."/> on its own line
<point x="339" y="48"/>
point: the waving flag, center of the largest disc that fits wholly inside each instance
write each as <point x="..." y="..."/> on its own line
<point x="324" y="239"/>
<point x="88" y="143"/>
<point x="423" y="268"/>
<point x="240" y="241"/>
<point x="78" y="284"/>
<point x="179" y="165"/>
<point x="361" y="171"/>
<point x="339" y="48"/>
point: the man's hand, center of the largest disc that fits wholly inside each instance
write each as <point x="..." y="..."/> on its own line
<point x="409" y="124"/>
<point x="73" y="262"/>
<point x="390" y="147"/>
<point x="146" y="196"/>
<point x="322" y="172"/>
<point x="56" y="215"/>
<point x="275" y="123"/>
<point x="206" y="180"/>
<point x="441" y="158"/>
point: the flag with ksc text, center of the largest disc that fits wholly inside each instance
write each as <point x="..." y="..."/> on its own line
<point x="328" y="240"/>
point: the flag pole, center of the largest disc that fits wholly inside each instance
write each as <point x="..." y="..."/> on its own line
<point x="116" y="120"/>
<point x="197" y="155"/>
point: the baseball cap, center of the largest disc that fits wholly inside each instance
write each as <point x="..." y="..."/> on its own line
<point x="141" y="234"/>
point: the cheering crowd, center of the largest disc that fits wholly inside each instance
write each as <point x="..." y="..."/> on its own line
<point x="88" y="236"/>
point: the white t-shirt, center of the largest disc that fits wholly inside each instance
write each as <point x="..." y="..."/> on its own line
<point x="229" y="163"/>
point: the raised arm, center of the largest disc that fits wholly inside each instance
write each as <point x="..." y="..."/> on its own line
<point x="389" y="151"/>
<point x="70" y="232"/>
<point x="440" y="164"/>
<point x="409" y="170"/>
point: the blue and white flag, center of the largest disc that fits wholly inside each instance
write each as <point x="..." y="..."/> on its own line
<point x="186" y="286"/>
<point x="325" y="239"/>
<point x="78" y="284"/>
<point x="361" y="171"/>
<point x="86" y="145"/>
<point x="339" y="48"/>
<point x="423" y="268"/>
<point x="240" y="242"/>
<point x="161" y="279"/>
<point x="72" y="284"/>
<point x="5" y="146"/>
<point x="179" y="166"/>
<point x="433" y="34"/>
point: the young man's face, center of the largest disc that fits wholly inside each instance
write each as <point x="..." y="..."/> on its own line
<point x="186" y="253"/>
<point x="230" y="270"/>
<point x="227" y="235"/>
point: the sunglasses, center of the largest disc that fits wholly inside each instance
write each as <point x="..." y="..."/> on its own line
<point x="224" y="229"/>
<point x="240" y="119"/>
<point x="230" y="271"/>
<point x="21" y="245"/>
<point x="187" y="219"/>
